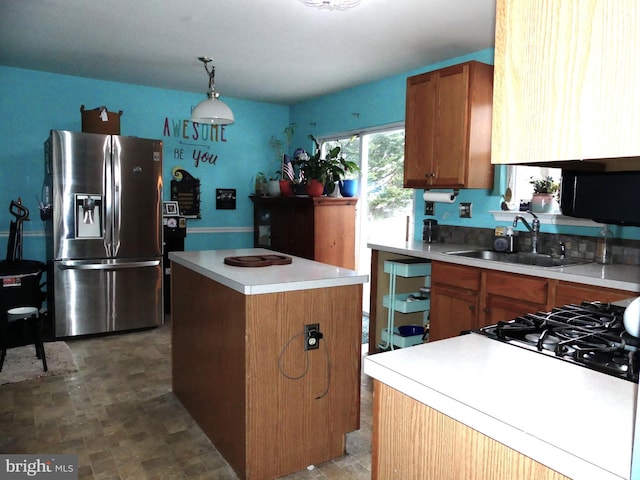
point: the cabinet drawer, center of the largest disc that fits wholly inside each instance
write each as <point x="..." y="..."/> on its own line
<point x="528" y="289"/>
<point x="455" y="275"/>
<point x="567" y="292"/>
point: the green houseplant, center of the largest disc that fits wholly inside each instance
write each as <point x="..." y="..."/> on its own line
<point x="544" y="192"/>
<point x="324" y="171"/>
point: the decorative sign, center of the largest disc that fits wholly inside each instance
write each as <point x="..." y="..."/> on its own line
<point x="195" y="140"/>
<point x="225" y="198"/>
<point x="185" y="189"/>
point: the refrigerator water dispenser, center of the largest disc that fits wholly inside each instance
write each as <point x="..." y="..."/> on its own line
<point x="88" y="210"/>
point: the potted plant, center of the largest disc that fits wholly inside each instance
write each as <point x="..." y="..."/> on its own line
<point x="318" y="173"/>
<point x="284" y="176"/>
<point x="544" y="192"/>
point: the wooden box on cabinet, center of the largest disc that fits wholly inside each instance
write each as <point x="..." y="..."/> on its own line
<point x="317" y="228"/>
<point x="448" y="128"/>
<point x="566" y="81"/>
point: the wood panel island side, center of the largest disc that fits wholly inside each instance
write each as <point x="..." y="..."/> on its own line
<point x="240" y="368"/>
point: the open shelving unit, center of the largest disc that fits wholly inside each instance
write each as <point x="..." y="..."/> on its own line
<point x="396" y="302"/>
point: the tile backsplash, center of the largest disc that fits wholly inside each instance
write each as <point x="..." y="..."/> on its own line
<point x="624" y="251"/>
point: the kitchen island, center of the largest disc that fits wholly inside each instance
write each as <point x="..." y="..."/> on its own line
<point x="472" y="407"/>
<point x="239" y="362"/>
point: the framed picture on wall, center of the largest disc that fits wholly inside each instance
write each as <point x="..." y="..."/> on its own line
<point x="170" y="209"/>
<point x="225" y="198"/>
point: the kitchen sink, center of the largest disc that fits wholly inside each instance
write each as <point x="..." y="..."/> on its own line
<point x="521" y="258"/>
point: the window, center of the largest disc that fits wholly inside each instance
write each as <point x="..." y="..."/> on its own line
<point x="519" y="181"/>
<point x="384" y="205"/>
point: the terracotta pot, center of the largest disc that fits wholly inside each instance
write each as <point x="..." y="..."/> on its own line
<point x="315" y="188"/>
<point x="543" y="203"/>
<point x="285" y="188"/>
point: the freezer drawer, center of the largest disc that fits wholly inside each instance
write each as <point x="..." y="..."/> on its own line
<point x="108" y="296"/>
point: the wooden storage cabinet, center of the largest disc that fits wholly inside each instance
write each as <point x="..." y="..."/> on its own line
<point x="455" y="300"/>
<point x="317" y="228"/>
<point x="467" y="298"/>
<point x="448" y="128"/>
<point x="566" y="78"/>
<point x="568" y="292"/>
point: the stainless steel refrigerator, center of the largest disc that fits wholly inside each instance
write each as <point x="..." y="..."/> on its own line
<point x="104" y="232"/>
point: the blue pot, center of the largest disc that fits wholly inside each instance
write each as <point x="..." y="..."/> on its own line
<point x="348" y="188"/>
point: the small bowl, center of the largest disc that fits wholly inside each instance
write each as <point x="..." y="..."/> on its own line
<point x="410" y="330"/>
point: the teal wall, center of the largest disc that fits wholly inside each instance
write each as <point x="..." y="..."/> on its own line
<point x="383" y="102"/>
<point x="33" y="103"/>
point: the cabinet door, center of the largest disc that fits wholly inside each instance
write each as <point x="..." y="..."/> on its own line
<point x="566" y="80"/>
<point x="419" y="126"/>
<point x="453" y="310"/>
<point x="448" y="128"/>
<point x="502" y="309"/>
<point x="451" y="127"/>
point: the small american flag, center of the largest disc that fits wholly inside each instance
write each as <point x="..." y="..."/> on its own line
<point x="287" y="167"/>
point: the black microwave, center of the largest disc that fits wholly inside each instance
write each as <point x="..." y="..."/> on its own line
<point x="604" y="197"/>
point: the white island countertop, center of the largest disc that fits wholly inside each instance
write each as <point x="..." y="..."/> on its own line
<point x="301" y="274"/>
<point x="622" y="277"/>
<point x="573" y="420"/>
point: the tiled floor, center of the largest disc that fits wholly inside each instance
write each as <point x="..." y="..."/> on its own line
<point x="118" y="414"/>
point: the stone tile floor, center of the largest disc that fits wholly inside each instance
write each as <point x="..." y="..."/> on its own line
<point x="118" y="414"/>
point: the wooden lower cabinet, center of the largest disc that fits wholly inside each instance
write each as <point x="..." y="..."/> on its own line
<point x="467" y="298"/>
<point x="317" y="228"/>
<point x="240" y="370"/>
<point x="567" y="292"/>
<point x="412" y="440"/>
<point x="458" y="306"/>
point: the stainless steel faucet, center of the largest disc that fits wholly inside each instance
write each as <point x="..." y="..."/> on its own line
<point x="534" y="228"/>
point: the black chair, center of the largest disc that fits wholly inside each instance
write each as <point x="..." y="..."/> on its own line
<point x="21" y="298"/>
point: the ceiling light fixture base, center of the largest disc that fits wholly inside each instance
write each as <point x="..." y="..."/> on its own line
<point x="331" y="4"/>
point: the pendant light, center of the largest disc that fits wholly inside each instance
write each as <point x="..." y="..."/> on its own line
<point x="211" y="110"/>
<point x="331" y="4"/>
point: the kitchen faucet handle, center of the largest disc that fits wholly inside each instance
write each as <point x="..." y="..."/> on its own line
<point x="563" y="249"/>
<point x="532" y="214"/>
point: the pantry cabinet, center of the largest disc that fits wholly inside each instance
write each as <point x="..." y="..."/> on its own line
<point x="566" y="81"/>
<point x="317" y="228"/>
<point x="448" y="128"/>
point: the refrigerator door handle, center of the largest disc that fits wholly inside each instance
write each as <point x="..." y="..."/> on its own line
<point x="108" y="190"/>
<point x="83" y="265"/>
<point x="117" y="193"/>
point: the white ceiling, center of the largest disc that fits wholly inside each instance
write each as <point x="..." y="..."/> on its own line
<point x="276" y="51"/>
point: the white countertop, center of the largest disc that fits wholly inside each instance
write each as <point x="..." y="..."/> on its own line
<point x="574" y="420"/>
<point x="623" y="277"/>
<point x="301" y="274"/>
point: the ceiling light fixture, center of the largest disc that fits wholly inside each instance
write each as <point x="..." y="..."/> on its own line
<point x="331" y="4"/>
<point x="211" y="110"/>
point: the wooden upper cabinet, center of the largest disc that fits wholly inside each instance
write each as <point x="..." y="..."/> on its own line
<point x="448" y="128"/>
<point x="566" y="81"/>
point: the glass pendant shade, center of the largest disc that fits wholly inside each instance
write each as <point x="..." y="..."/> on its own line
<point x="212" y="111"/>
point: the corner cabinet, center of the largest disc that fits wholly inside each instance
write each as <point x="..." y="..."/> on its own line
<point x="448" y="128"/>
<point x="316" y="228"/>
<point x="566" y="81"/>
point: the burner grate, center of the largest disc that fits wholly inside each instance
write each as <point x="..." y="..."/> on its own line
<point x="591" y="334"/>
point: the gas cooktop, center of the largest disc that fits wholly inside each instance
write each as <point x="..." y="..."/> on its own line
<point x="591" y="334"/>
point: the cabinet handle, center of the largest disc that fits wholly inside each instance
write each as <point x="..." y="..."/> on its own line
<point x="486" y="310"/>
<point x="472" y="307"/>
